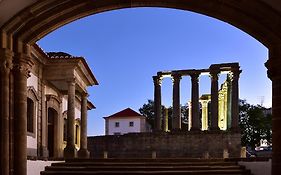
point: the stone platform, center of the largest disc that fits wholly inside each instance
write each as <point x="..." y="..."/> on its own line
<point x="200" y="144"/>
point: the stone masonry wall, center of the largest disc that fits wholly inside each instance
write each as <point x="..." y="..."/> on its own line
<point x="201" y="144"/>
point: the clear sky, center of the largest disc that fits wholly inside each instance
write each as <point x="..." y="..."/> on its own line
<point x="125" y="48"/>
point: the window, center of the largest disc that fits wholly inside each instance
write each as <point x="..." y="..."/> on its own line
<point x="117" y="133"/>
<point x="131" y="124"/>
<point x="30" y="115"/>
<point x="117" y="124"/>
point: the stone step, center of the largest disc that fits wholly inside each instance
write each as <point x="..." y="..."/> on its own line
<point x="174" y="172"/>
<point x="146" y="166"/>
<point x="138" y="168"/>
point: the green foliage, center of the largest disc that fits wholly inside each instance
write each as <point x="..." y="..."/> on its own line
<point x="254" y="124"/>
<point x="148" y="110"/>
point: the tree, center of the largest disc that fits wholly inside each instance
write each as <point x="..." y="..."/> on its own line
<point x="148" y="110"/>
<point x="254" y="124"/>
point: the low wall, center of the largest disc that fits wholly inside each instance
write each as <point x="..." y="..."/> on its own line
<point x="202" y="144"/>
<point x="34" y="167"/>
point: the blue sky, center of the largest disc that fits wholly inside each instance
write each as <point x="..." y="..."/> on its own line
<point x="125" y="48"/>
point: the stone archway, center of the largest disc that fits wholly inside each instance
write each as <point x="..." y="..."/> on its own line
<point x="256" y="18"/>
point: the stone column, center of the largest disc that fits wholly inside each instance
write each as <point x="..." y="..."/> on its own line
<point x="235" y="100"/>
<point x="214" y="72"/>
<point x="165" y="120"/>
<point x="195" y="102"/>
<point x="204" y="104"/>
<point x="157" y="102"/>
<point x="176" y="102"/>
<point x="83" y="152"/>
<point x="70" y="150"/>
<point x="189" y="115"/>
<point x="274" y="73"/>
<point x="22" y="65"/>
<point x="5" y="69"/>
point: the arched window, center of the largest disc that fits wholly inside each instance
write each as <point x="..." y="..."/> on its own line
<point x="32" y="99"/>
<point x="30" y="115"/>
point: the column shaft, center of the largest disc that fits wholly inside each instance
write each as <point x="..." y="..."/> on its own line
<point x="274" y="73"/>
<point x="214" y="100"/>
<point x="204" y="115"/>
<point x="6" y="63"/>
<point x="70" y="150"/>
<point x="165" y="120"/>
<point x="235" y="101"/>
<point x="21" y="72"/>
<point x="176" y="102"/>
<point x="83" y="152"/>
<point x="157" y="103"/>
<point x="195" y="102"/>
<point x="189" y="115"/>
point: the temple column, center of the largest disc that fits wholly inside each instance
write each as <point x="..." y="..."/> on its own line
<point x="195" y="102"/>
<point x="165" y="120"/>
<point x="70" y="150"/>
<point x="157" y="102"/>
<point x="204" y="104"/>
<point x="214" y="98"/>
<point x="22" y="66"/>
<point x="176" y="102"/>
<point x="5" y="69"/>
<point x="189" y="115"/>
<point x="274" y="73"/>
<point x="83" y="152"/>
<point x="235" y="100"/>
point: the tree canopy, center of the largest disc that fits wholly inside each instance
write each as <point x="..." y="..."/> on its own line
<point x="254" y="122"/>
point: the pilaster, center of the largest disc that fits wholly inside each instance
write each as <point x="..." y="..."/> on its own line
<point x="5" y="69"/>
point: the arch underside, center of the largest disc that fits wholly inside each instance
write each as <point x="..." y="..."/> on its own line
<point x="45" y="16"/>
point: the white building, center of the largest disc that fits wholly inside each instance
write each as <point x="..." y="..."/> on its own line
<point x="125" y="121"/>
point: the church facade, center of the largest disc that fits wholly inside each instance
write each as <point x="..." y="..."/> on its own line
<point x="57" y="104"/>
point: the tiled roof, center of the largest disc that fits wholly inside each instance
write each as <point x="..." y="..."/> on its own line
<point x="58" y="55"/>
<point x="125" y="113"/>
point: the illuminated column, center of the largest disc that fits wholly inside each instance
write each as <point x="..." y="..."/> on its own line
<point x="235" y="100"/>
<point x="195" y="101"/>
<point x="70" y="150"/>
<point x="157" y="102"/>
<point x="214" y="98"/>
<point x="176" y="102"/>
<point x="204" y="104"/>
<point x="21" y="70"/>
<point x="189" y="115"/>
<point x="165" y="120"/>
<point x="5" y="69"/>
<point x="83" y="151"/>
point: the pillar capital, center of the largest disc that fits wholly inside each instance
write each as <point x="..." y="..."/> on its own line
<point x="176" y="77"/>
<point x="273" y="68"/>
<point x="84" y="95"/>
<point x="194" y="76"/>
<point x="214" y="74"/>
<point x="23" y="64"/>
<point x="157" y="80"/>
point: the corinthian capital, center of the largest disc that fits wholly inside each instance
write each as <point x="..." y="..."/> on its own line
<point x="22" y="64"/>
<point x="176" y="77"/>
<point x="6" y="57"/>
<point x="157" y="80"/>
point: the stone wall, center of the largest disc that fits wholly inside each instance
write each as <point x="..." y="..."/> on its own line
<point x="202" y="144"/>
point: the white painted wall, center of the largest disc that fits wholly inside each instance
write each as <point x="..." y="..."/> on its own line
<point x="34" y="167"/>
<point x="33" y="81"/>
<point x="123" y="125"/>
<point x="50" y="91"/>
<point x="32" y="141"/>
